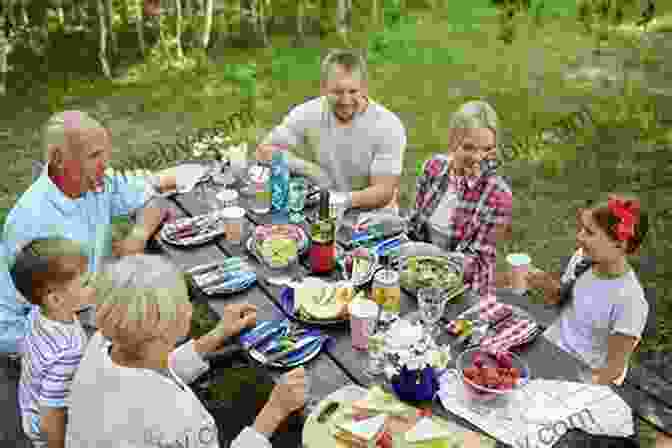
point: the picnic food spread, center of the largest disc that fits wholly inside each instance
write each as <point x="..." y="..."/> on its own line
<point x="380" y="420"/>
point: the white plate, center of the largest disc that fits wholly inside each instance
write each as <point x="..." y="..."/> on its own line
<point x="187" y="175"/>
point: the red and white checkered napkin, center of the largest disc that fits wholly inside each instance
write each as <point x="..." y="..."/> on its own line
<point x="510" y="334"/>
<point x="488" y="309"/>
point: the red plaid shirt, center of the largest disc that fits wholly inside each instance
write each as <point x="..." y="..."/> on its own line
<point x="483" y="203"/>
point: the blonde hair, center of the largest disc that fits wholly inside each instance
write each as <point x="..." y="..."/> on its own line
<point x="57" y="131"/>
<point x="472" y="115"/>
<point x="138" y="283"/>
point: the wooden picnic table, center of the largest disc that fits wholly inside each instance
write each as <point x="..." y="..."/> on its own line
<point x="342" y="364"/>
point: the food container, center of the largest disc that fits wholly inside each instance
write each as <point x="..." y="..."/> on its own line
<point x="386" y="291"/>
<point x="234" y="220"/>
<point x="478" y="393"/>
<point x="228" y="198"/>
<point x="520" y="266"/>
<point x="363" y="315"/>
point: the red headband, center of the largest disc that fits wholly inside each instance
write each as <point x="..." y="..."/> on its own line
<point x="628" y="213"/>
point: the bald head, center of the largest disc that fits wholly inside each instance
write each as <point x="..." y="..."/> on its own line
<point x="77" y="148"/>
<point x="64" y="131"/>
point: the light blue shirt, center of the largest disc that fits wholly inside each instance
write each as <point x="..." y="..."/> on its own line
<point x="44" y="211"/>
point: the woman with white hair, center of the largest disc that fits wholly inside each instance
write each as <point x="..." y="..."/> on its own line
<point x="73" y="199"/>
<point x="130" y="389"/>
<point x="461" y="203"/>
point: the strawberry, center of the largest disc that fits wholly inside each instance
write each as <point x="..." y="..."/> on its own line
<point x="478" y="360"/>
<point x="504" y="360"/>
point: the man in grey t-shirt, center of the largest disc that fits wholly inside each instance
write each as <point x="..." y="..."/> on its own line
<point x="348" y="143"/>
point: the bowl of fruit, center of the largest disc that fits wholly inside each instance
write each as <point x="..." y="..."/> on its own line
<point x="486" y="377"/>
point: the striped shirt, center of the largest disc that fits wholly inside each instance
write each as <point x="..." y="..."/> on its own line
<point x="53" y="351"/>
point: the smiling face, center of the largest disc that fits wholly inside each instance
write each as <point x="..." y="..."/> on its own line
<point x="346" y="92"/>
<point x="595" y="241"/>
<point x="470" y="146"/>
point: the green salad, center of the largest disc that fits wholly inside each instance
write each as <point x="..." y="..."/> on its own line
<point x="278" y="251"/>
<point x="429" y="272"/>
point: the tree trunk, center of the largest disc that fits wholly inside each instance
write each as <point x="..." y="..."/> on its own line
<point x="102" y="42"/>
<point x="23" y="12"/>
<point x="123" y="12"/>
<point x="343" y="17"/>
<point x="300" y="38"/>
<point x="5" y="49"/>
<point x="261" y="23"/>
<point x="207" y="25"/>
<point x="375" y="16"/>
<point x="60" y="12"/>
<point x="178" y="28"/>
<point x="188" y="8"/>
<point x="249" y="24"/>
<point x="140" y="26"/>
<point x="109" y="22"/>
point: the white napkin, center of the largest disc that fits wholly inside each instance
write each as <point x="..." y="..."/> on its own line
<point x="542" y="412"/>
<point x="188" y="175"/>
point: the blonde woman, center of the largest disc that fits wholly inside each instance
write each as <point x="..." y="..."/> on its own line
<point x="130" y="389"/>
<point x="461" y="203"/>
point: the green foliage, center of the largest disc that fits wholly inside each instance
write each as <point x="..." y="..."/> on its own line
<point x="295" y="63"/>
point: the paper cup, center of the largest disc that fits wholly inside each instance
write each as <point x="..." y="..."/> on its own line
<point x="520" y="266"/>
<point x="228" y="198"/>
<point x="234" y="219"/>
<point x="363" y="315"/>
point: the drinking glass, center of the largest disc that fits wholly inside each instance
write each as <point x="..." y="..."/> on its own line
<point x="238" y="161"/>
<point x="297" y="199"/>
<point x="376" y="350"/>
<point x="432" y="303"/>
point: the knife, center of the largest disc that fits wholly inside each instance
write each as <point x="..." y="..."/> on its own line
<point x="278" y="356"/>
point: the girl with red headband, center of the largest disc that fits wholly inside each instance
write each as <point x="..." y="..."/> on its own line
<point x="606" y="311"/>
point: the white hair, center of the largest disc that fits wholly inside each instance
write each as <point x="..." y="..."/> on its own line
<point x="142" y="280"/>
<point x="56" y="131"/>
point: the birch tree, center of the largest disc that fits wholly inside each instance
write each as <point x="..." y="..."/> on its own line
<point x="109" y="23"/>
<point x="251" y="23"/>
<point x="102" y="41"/>
<point x="139" y="26"/>
<point x="300" y="38"/>
<point x="178" y="28"/>
<point x="207" y="25"/>
<point x="344" y="18"/>
<point x="123" y="12"/>
<point x="5" y="48"/>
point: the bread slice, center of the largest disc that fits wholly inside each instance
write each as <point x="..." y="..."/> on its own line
<point x="364" y="430"/>
<point x="427" y="429"/>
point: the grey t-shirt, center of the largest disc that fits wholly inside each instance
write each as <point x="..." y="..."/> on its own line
<point x="373" y="145"/>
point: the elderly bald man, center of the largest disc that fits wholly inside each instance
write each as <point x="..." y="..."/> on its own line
<point x="73" y="198"/>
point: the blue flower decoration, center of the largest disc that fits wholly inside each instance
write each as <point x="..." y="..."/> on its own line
<point x="416" y="385"/>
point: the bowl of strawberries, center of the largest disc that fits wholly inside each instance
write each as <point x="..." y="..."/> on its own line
<point x="486" y="377"/>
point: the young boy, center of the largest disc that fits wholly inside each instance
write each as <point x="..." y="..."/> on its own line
<point x="49" y="272"/>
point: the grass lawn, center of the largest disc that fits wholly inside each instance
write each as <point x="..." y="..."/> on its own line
<point x="424" y="71"/>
